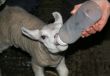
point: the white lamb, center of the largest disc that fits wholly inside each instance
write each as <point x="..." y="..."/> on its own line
<point x="21" y="29"/>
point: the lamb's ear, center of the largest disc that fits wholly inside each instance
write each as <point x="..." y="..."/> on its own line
<point x="58" y="18"/>
<point x="33" y="34"/>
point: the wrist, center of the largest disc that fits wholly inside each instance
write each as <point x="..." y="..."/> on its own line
<point x="101" y="1"/>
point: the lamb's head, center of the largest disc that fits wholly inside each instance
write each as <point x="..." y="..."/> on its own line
<point x="48" y="35"/>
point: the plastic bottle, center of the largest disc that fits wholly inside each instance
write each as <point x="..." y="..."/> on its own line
<point x="88" y="14"/>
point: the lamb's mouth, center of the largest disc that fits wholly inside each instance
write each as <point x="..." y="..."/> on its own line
<point x="58" y="41"/>
<point x="58" y="44"/>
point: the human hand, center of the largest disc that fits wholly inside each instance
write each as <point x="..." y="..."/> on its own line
<point x="99" y="25"/>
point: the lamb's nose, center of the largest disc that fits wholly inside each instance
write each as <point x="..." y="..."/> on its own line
<point x="56" y="43"/>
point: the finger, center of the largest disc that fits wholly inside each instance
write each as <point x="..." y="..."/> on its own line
<point x="102" y="22"/>
<point x="75" y="9"/>
<point x="91" y="30"/>
<point x="85" y="34"/>
<point x="88" y="32"/>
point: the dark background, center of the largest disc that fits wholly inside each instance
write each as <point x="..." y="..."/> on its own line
<point x="87" y="57"/>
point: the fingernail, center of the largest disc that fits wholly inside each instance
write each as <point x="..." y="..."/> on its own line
<point x="83" y="36"/>
<point x="72" y="12"/>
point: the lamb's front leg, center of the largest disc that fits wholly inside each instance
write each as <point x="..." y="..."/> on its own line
<point x="62" y="69"/>
<point x="38" y="71"/>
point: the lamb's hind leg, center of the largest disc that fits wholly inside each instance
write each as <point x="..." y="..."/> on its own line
<point x="62" y="69"/>
<point x="38" y="71"/>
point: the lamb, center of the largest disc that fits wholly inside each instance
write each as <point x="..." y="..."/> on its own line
<point x="21" y="29"/>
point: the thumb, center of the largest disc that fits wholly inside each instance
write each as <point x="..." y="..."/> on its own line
<point x="75" y="9"/>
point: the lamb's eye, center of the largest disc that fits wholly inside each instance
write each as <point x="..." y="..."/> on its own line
<point x="43" y="37"/>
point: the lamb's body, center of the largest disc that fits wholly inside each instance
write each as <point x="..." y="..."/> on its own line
<point x="11" y="21"/>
